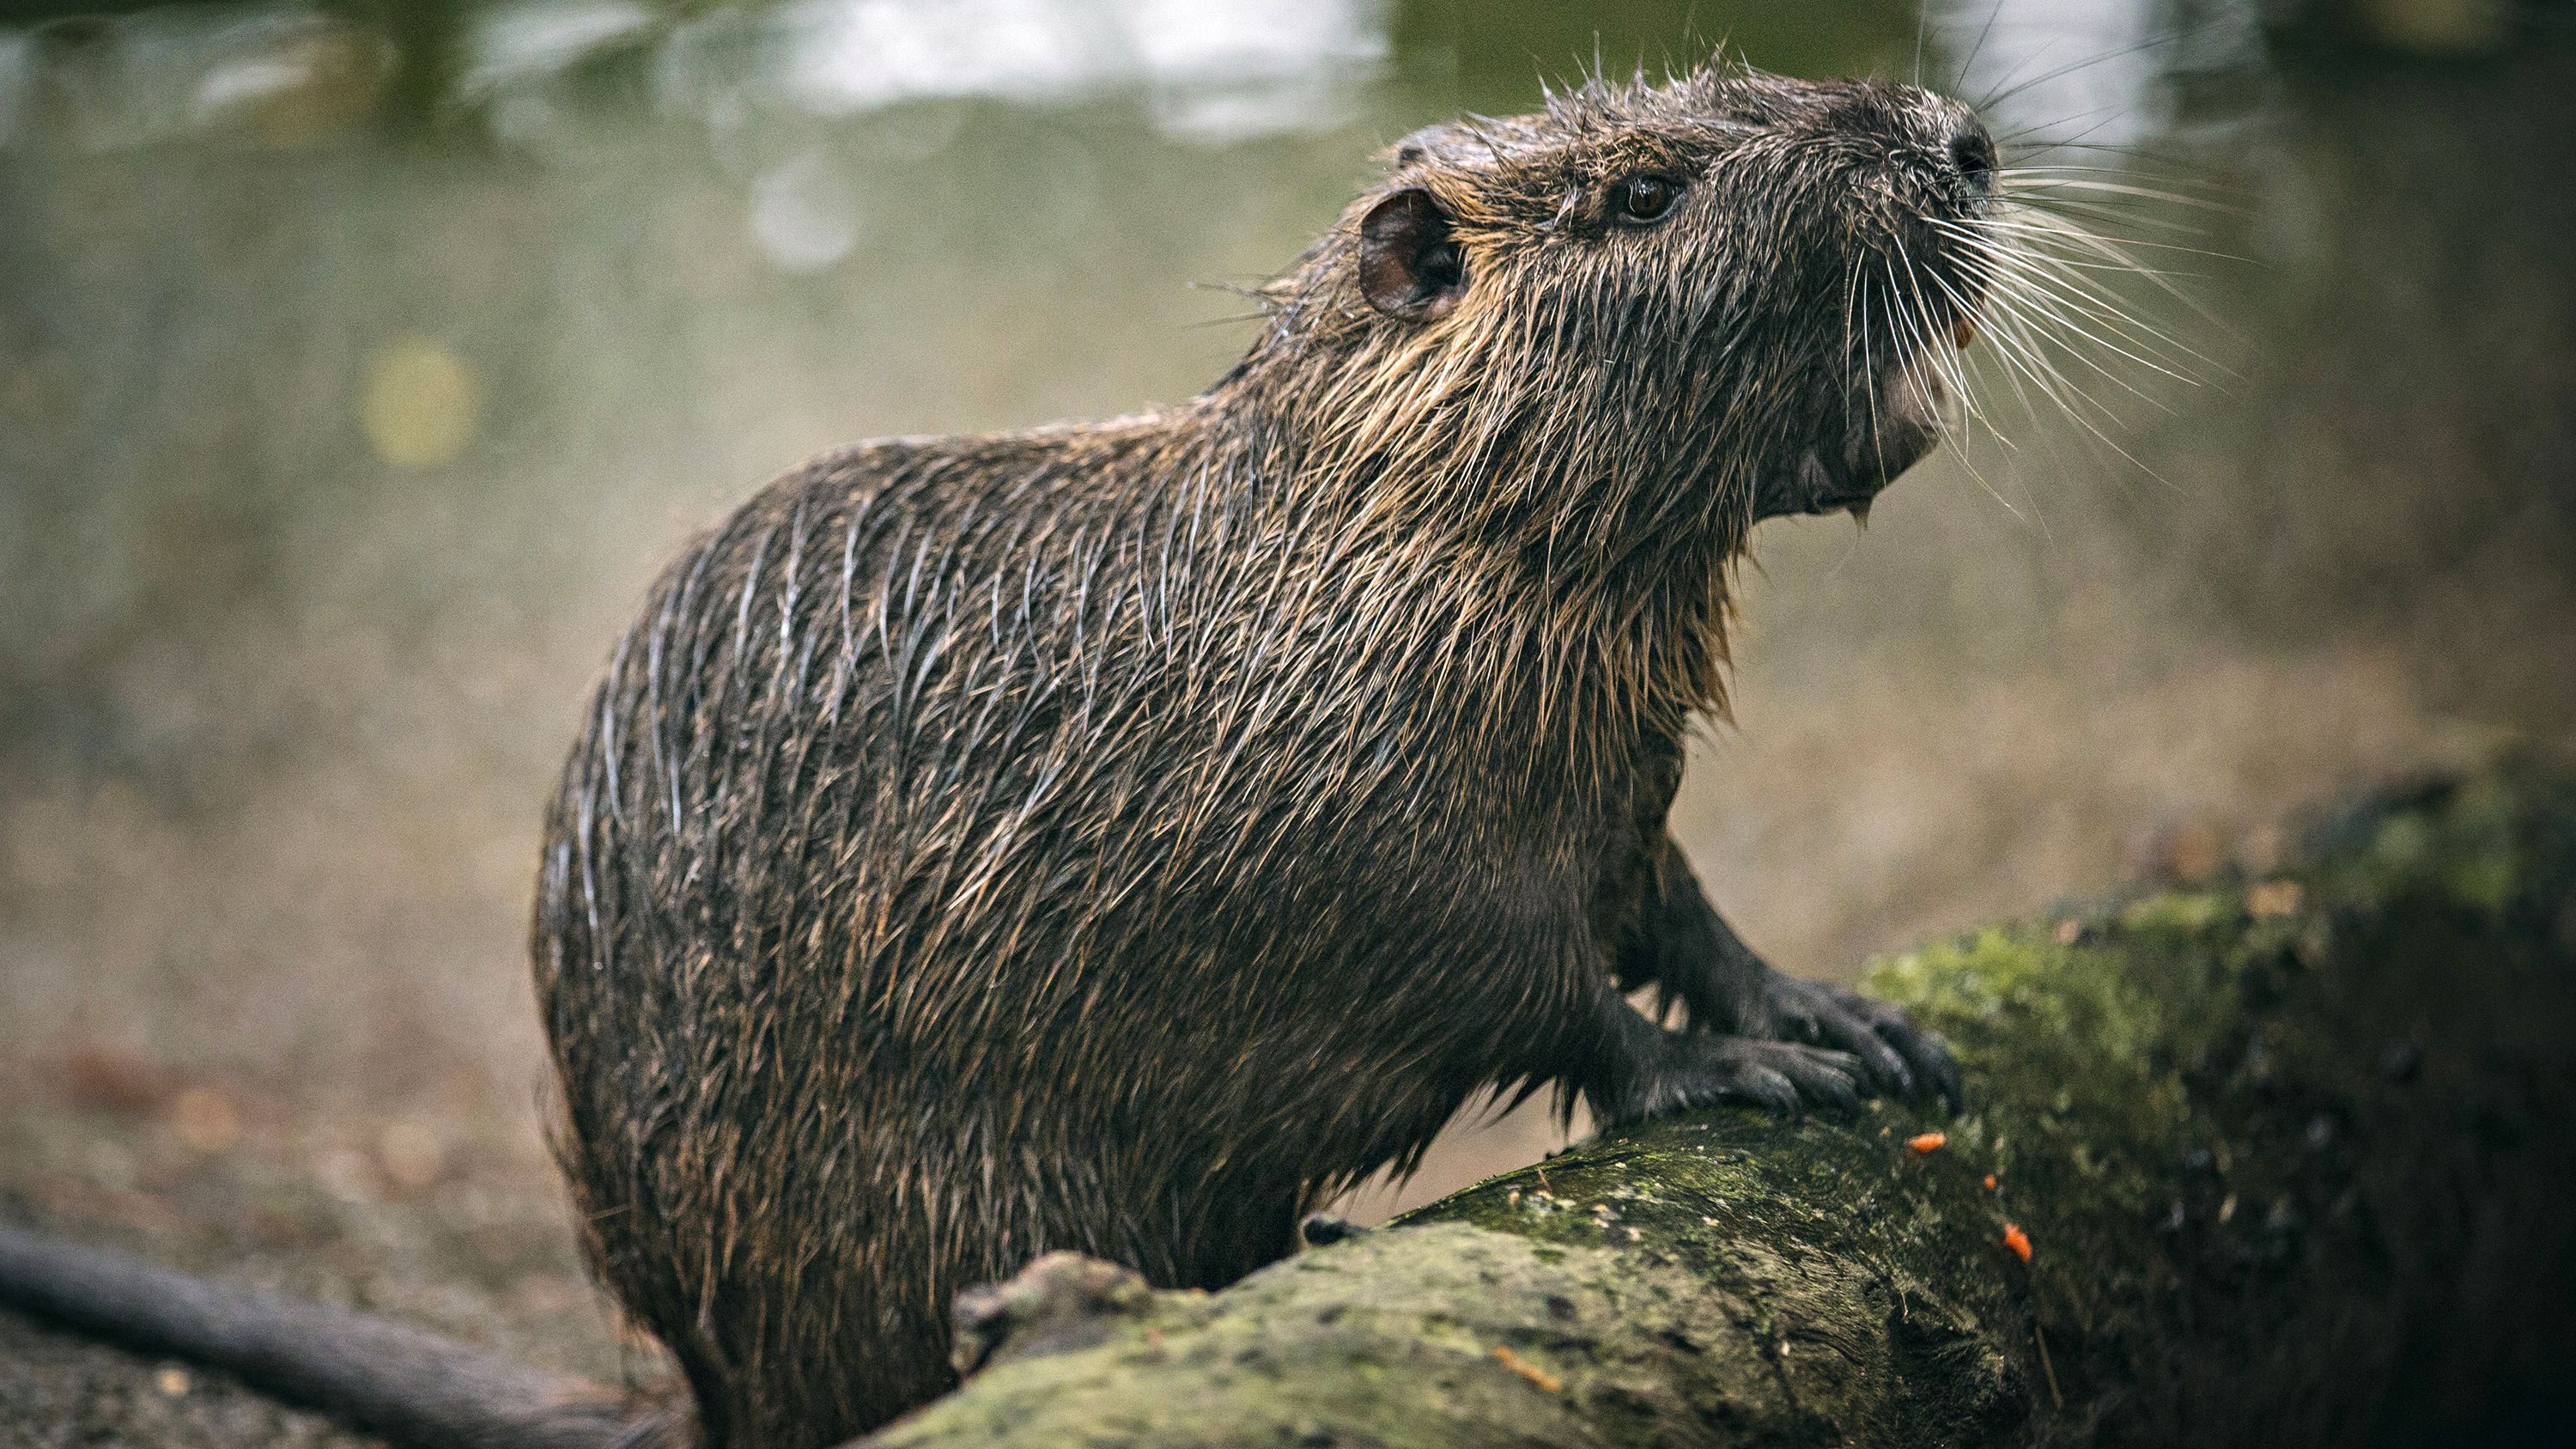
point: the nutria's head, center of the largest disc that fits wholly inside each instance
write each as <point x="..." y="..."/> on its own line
<point x="1646" y="309"/>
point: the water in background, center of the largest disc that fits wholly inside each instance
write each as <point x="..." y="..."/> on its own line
<point x="359" y="363"/>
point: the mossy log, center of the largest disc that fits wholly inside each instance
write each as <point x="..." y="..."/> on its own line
<point x="2290" y="1156"/>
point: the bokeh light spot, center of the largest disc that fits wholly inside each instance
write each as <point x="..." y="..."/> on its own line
<point x="421" y="405"/>
<point x="804" y="213"/>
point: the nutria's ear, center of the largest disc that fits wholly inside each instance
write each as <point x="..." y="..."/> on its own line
<point x="1410" y="266"/>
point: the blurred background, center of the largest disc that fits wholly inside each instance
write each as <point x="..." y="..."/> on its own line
<point x="361" y="360"/>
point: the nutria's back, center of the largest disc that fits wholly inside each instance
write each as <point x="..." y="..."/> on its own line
<point x="1119" y="837"/>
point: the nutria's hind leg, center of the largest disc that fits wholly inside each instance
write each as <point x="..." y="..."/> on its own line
<point x="1687" y="952"/>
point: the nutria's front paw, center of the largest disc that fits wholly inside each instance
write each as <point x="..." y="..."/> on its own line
<point x="1900" y="1058"/>
<point x="1777" y="1076"/>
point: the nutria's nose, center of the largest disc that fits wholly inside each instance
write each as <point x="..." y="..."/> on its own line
<point x="1972" y="151"/>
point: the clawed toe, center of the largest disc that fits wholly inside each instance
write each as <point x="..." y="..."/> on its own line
<point x="1930" y="1066"/>
<point x="1895" y="1056"/>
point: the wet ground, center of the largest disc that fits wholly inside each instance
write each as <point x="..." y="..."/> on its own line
<point x="462" y="1246"/>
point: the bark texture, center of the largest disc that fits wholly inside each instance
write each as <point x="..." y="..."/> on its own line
<point x="2291" y="1153"/>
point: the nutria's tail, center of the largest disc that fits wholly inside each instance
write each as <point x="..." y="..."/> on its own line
<point x="411" y="1386"/>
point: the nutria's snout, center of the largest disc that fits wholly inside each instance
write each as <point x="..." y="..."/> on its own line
<point x="1923" y="177"/>
<point x="1972" y="156"/>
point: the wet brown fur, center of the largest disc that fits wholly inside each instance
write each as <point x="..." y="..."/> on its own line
<point x="1119" y="837"/>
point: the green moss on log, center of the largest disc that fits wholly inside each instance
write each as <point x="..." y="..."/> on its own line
<point x="2292" y="1155"/>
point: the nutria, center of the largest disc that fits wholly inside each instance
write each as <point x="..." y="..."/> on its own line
<point x="1119" y="837"/>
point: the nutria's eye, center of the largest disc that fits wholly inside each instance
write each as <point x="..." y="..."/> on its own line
<point x="1646" y="198"/>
